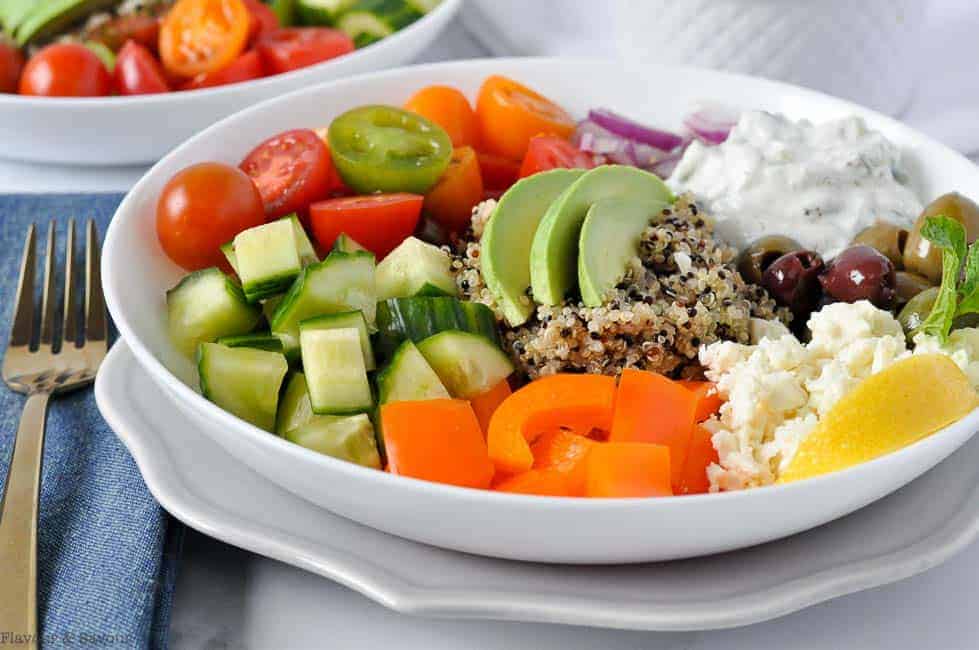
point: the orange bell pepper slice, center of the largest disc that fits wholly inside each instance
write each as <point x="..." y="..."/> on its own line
<point x="450" y="109"/>
<point x="541" y="482"/>
<point x="436" y="440"/>
<point x="700" y="454"/>
<point x="654" y="409"/>
<point x="566" y="453"/>
<point x="708" y="402"/>
<point x="580" y="402"/>
<point x="510" y="114"/>
<point x="458" y="190"/>
<point x="628" y="469"/>
<point x="485" y="405"/>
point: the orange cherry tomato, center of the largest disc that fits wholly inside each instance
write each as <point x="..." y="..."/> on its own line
<point x="510" y="114"/>
<point x="551" y="152"/>
<point x="202" y="207"/>
<point x="203" y="35"/>
<point x="460" y="188"/>
<point x="450" y="109"/>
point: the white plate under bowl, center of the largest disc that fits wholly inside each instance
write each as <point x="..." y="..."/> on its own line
<point x="136" y="274"/>
<point x="141" y="130"/>
<point x="908" y="532"/>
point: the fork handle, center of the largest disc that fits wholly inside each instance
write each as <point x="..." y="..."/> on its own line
<point x="18" y="527"/>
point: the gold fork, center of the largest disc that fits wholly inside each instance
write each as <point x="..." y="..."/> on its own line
<point x="59" y="362"/>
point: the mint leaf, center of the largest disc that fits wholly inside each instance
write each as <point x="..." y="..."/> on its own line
<point x="949" y="235"/>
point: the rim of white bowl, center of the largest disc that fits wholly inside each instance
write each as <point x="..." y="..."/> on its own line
<point x="445" y="10"/>
<point x="162" y="375"/>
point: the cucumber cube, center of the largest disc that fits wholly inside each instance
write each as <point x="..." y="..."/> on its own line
<point x="349" y="438"/>
<point x="268" y="259"/>
<point x="354" y="319"/>
<point x="415" y="268"/>
<point x="242" y="381"/>
<point x="205" y="306"/>
<point x="336" y="374"/>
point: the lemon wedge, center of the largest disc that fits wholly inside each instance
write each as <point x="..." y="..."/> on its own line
<point x="902" y="404"/>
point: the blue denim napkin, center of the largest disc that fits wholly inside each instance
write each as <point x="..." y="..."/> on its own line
<point x="107" y="551"/>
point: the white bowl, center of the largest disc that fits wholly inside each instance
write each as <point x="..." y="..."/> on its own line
<point x="136" y="274"/>
<point x="140" y="130"/>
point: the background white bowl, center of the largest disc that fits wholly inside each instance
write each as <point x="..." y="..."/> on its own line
<point x="140" y="130"/>
<point x="136" y="274"/>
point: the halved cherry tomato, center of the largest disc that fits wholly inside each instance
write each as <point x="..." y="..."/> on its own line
<point x="290" y="170"/>
<point x="202" y="207"/>
<point x="114" y="33"/>
<point x="510" y="114"/>
<point x="263" y="19"/>
<point x="203" y="35"/>
<point x="551" y="152"/>
<point x="298" y="47"/>
<point x="65" y="70"/>
<point x="137" y="71"/>
<point x="498" y="173"/>
<point x="378" y="222"/>
<point x="460" y="188"/>
<point x="450" y="109"/>
<point x="246" y="67"/>
<point x="11" y="65"/>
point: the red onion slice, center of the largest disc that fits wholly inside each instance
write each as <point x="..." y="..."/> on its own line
<point x="711" y="125"/>
<point x="623" y="126"/>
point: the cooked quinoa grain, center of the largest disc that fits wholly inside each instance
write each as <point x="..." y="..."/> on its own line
<point x="682" y="292"/>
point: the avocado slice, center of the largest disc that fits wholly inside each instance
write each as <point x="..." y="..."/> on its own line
<point x="609" y="241"/>
<point x="507" y="237"/>
<point x="553" y="263"/>
<point x="13" y="13"/>
<point x="49" y="18"/>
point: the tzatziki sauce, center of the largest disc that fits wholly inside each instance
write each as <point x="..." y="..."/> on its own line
<point x="818" y="184"/>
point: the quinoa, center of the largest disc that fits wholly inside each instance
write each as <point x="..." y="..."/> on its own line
<point x="680" y="293"/>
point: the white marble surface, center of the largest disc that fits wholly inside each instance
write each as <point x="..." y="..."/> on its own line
<point x="229" y="598"/>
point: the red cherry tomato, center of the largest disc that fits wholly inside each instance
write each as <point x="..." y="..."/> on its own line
<point x="551" y="152"/>
<point x="246" y="67"/>
<point x="290" y="170"/>
<point x="65" y="70"/>
<point x="498" y="173"/>
<point x="114" y="33"/>
<point x="378" y="222"/>
<point x="297" y="47"/>
<point x="202" y="207"/>
<point x="11" y="64"/>
<point x="138" y="72"/>
<point x="264" y="19"/>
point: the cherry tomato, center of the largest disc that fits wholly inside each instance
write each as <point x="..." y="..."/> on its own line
<point x="452" y="199"/>
<point x="65" y="70"/>
<point x="510" y="114"/>
<point x="498" y="173"/>
<point x="202" y="207"/>
<point x="114" y="33"/>
<point x="11" y="64"/>
<point x="263" y="19"/>
<point x="203" y="35"/>
<point x="378" y="222"/>
<point x="298" y="47"/>
<point x="246" y="67"/>
<point x="551" y="152"/>
<point x="137" y="71"/>
<point x="450" y="109"/>
<point x="290" y="170"/>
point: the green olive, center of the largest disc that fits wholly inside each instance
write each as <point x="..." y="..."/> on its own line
<point x="760" y="254"/>
<point x="918" y="308"/>
<point x="923" y="258"/>
<point x="887" y="238"/>
<point x="908" y="285"/>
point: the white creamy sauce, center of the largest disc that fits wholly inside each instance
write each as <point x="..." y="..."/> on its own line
<point x="819" y="184"/>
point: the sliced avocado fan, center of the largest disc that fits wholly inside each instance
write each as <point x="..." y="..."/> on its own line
<point x="47" y="19"/>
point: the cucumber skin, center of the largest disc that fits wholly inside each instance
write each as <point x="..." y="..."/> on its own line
<point x="250" y="313"/>
<point x="206" y="391"/>
<point x="267" y="288"/>
<point x="294" y="405"/>
<point x="453" y="355"/>
<point x="416" y="319"/>
<point x="265" y="342"/>
<point x="386" y="376"/>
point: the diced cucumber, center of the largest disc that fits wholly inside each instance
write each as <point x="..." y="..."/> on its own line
<point x="409" y="377"/>
<point x="205" y="306"/>
<point x="258" y="341"/>
<point x="368" y="21"/>
<point x="336" y="374"/>
<point x="468" y="364"/>
<point x="268" y="259"/>
<point x="307" y="254"/>
<point x="294" y="407"/>
<point x="269" y="305"/>
<point x="229" y="254"/>
<point x="342" y="282"/>
<point x="416" y="319"/>
<point x="349" y="438"/>
<point x="242" y="381"/>
<point x="415" y="268"/>
<point x="354" y="319"/>
<point x="424" y="6"/>
<point x="319" y="13"/>
<point x="346" y="244"/>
